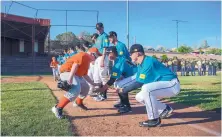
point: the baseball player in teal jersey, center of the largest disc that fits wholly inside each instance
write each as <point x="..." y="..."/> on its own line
<point x="121" y="47"/>
<point x="158" y="82"/>
<point x="102" y="43"/>
<point x="94" y="38"/>
<point x="102" y="40"/>
<point x="122" y="68"/>
<point x="72" y="52"/>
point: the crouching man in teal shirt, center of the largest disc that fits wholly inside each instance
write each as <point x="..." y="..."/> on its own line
<point x="158" y="82"/>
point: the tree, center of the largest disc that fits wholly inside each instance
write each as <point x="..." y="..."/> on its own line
<point x="154" y="56"/>
<point x="164" y="58"/>
<point x="215" y="51"/>
<point x="86" y="36"/>
<point x="184" y="49"/>
<point x="204" y="45"/>
<point x="67" y="39"/>
<point x="160" y="48"/>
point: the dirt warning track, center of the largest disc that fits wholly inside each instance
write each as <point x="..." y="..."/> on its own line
<point x="103" y="120"/>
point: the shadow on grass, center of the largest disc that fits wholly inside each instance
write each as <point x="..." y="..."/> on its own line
<point x="194" y="97"/>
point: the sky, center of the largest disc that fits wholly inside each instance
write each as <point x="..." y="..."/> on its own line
<point x="149" y="21"/>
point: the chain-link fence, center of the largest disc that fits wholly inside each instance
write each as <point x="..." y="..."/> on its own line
<point x="40" y="33"/>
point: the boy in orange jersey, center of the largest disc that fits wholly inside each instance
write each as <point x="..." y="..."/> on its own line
<point x="54" y="66"/>
<point x="86" y="88"/>
<point x="74" y="71"/>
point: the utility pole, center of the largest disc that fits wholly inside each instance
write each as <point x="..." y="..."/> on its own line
<point x="177" y="22"/>
<point x="127" y="23"/>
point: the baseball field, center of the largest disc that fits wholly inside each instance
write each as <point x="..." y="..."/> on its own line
<point x="27" y="100"/>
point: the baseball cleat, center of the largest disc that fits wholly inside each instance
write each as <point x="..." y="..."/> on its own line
<point x="57" y="112"/>
<point x="151" y="123"/>
<point x="79" y="105"/>
<point x="118" y="105"/>
<point x="98" y="98"/>
<point x="125" y="109"/>
<point x="167" y="112"/>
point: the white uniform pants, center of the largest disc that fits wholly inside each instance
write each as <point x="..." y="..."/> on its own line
<point x="101" y="74"/>
<point x="160" y="89"/>
<point x="79" y="88"/>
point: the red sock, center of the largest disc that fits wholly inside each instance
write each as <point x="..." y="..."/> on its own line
<point x="63" y="102"/>
<point x="79" y="101"/>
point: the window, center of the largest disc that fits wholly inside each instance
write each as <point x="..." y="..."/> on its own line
<point x="36" y="46"/>
<point x="21" y="46"/>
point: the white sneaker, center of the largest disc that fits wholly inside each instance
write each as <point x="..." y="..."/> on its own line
<point x="57" y="112"/>
<point x="98" y="98"/>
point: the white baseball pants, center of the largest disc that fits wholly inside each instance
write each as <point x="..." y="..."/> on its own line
<point x="160" y="89"/>
<point x="79" y="88"/>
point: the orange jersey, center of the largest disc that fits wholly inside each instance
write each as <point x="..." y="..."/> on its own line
<point x="82" y="59"/>
<point x="54" y="64"/>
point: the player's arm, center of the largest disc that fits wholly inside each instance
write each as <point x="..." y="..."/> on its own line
<point x="88" y="79"/>
<point x="72" y="73"/>
<point x="107" y="85"/>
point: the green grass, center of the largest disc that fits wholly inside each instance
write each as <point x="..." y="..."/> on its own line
<point x="201" y="91"/>
<point x="26" y="111"/>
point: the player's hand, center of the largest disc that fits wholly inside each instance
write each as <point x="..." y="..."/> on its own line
<point x="116" y="90"/>
<point x="102" y="64"/>
<point x="69" y="81"/>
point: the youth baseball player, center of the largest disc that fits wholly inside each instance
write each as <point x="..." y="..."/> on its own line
<point x="158" y="82"/>
<point x="74" y="70"/>
<point x="121" y="47"/>
<point x="122" y="68"/>
<point x="102" y="43"/>
<point x="54" y="66"/>
<point x="86" y="88"/>
<point x="94" y="38"/>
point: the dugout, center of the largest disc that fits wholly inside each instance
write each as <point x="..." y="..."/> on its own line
<point x="21" y="36"/>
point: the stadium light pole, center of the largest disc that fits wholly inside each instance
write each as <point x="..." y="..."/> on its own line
<point x="177" y="22"/>
<point x="127" y="22"/>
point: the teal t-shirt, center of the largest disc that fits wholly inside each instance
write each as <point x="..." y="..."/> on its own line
<point x="151" y="70"/>
<point x="122" y="68"/>
<point x="122" y="50"/>
<point x="101" y="42"/>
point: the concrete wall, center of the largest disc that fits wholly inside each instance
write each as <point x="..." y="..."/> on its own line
<point x="24" y="65"/>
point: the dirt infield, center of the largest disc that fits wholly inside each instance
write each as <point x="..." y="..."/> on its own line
<point x="102" y="119"/>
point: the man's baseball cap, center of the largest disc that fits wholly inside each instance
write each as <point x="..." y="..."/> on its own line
<point x="136" y="48"/>
<point x="112" y="49"/>
<point x="112" y="34"/>
<point x="99" y="25"/>
<point x="95" y="50"/>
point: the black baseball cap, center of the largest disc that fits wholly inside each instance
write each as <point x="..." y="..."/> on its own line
<point x="111" y="49"/>
<point x="112" y="34"/>
<point x="136" y="48"/>
<point x="95" y="35"/>
<point x="99" y="25"/>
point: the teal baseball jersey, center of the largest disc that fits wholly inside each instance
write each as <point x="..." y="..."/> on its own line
<point x="122" y="50"/>
<point x="71" y="54"/>
<point x="123" y="68"/>
<point x="101" y="42"/>
<point x="151" y="70"/>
